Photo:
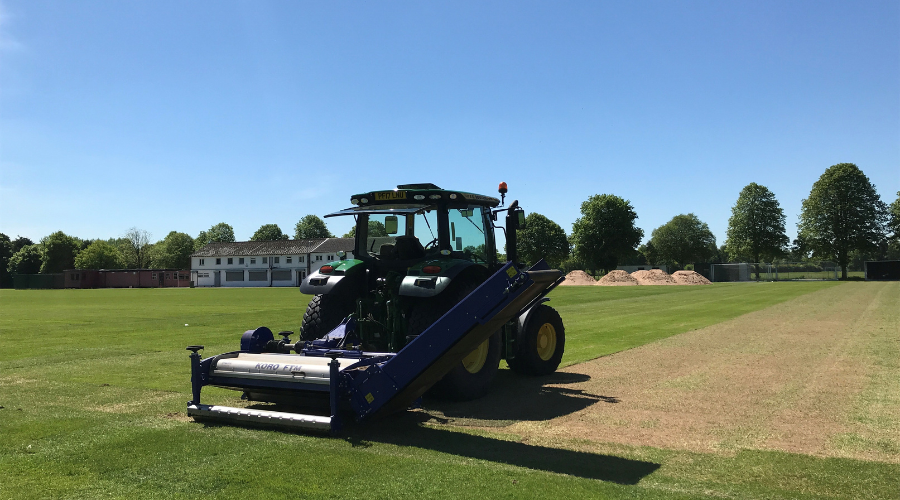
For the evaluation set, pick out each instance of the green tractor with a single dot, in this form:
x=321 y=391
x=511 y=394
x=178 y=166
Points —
x=419 y=250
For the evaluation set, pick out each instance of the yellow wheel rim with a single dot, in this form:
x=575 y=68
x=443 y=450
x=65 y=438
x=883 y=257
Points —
x=546 y=341
x=474 y=362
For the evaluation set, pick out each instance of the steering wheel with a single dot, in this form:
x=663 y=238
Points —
x=431 y=244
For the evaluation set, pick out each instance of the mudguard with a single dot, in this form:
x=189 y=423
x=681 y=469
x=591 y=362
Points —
x=319 y=283
x=419 y=284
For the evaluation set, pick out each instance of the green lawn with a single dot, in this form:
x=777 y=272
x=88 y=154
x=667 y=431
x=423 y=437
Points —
x=93 y=385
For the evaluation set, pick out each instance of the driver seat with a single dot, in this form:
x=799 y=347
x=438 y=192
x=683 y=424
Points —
x=409 y=247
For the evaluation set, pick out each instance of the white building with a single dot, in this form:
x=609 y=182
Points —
x=264 y=263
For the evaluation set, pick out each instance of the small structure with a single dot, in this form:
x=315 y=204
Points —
x=126 y=278
x=883 y=270
x=265 y=263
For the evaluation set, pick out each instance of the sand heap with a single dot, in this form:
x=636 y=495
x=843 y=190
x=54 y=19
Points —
x=578 y=278
x=690 y=278
x=653 y=277
x=617 y=278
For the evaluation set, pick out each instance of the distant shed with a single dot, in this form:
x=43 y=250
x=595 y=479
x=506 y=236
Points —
x=882 y=270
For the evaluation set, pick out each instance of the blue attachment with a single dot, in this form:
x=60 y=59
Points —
x=255 y=340
x=386 y=382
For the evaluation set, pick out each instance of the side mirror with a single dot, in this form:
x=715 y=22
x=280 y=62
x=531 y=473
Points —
x=520 y=219
x=390 y=224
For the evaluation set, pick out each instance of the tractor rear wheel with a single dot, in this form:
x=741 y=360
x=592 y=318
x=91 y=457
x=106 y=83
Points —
x=324 y=313
x=540 y=345
x=472 y=377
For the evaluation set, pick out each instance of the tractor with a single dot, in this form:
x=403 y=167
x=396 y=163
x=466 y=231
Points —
x=419 y=250
x=424 y=304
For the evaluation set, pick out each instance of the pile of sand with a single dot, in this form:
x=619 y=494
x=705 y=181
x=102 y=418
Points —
x=617 y=278
x=690 y=278
x=653 y=277
x=578 y=278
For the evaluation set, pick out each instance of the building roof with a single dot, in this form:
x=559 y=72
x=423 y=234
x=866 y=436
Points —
x=280 y=247
x=336 y=245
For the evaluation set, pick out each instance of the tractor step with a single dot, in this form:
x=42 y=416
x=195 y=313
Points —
x=261 y=417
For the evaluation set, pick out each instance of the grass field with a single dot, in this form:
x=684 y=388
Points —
x=93 y=385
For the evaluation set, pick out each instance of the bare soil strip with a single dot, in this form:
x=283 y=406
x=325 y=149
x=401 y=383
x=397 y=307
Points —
x=815 y=375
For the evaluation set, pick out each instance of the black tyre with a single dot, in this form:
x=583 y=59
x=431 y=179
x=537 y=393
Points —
x=540 y=344
x=323 y=313
x=472 y=377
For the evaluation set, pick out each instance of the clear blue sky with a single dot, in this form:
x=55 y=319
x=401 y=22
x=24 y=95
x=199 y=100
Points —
x=179 y=115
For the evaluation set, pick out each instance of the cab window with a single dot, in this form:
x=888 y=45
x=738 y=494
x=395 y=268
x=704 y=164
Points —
x=467 y=233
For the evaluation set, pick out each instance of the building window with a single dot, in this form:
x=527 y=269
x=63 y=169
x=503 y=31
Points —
x=253 y=260
x=301 y=259
x=218 y=262
x=288 y=259
x=230 y=260
x=202 y=262
x=240 y=260
x=265 y=260
x=331 y=257
x=277 y=259
x=258 y=276
x=318 y=257
x=234 y=276
x=153 y=276
x=281 y=275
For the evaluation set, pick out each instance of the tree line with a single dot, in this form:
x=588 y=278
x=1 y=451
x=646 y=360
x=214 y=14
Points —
x=133 y=250
x=843 y=220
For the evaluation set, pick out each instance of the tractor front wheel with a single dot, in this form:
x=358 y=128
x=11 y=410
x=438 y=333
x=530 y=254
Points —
x=540 y=345
x=324 y=313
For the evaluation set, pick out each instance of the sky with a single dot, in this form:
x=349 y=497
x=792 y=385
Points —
x=175 y=116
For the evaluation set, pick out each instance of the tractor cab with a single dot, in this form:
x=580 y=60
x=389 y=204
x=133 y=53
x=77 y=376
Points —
x=421 y=222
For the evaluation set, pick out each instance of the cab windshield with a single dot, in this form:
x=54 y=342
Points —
x=413 y=234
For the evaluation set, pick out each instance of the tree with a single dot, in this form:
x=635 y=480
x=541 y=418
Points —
x=842 y=213
x=605 y=233
x=684 y=240
x=756 y=226
x=311 y=226
x=268 y=232
x=27 y=260
x=6 y=252
x=20 y=242
x=59 y=252
x=649 y=252
x=542 y=239
x=375 y=229
x=99 y=255
x=174 y=251
x=136 y=248
x=219 y=233
x=893 y=227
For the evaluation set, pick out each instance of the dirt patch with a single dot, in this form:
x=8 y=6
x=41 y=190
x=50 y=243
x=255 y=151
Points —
x=690 y=278
x=793 y=377
x=653 y=277
x=578 y=278
x=617 y=278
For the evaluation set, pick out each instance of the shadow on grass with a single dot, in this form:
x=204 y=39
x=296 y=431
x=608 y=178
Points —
x=516 y=398
x=407 y=430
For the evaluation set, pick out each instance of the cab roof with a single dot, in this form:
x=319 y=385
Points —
x=420 y=193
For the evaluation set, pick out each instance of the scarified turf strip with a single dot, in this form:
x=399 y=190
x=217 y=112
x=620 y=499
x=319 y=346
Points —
x=93 y=385
x=603 y=320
